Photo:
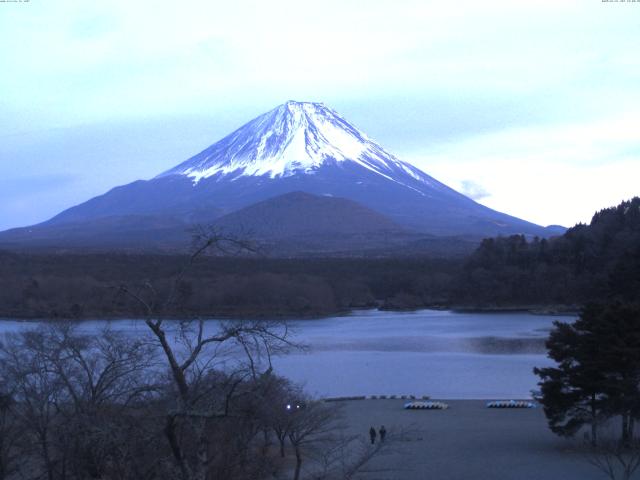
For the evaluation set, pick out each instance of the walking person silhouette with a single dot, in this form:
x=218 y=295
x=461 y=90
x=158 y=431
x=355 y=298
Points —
x=372 y=435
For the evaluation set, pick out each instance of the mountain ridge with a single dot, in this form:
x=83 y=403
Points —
x=293 y=137
x=296 y=147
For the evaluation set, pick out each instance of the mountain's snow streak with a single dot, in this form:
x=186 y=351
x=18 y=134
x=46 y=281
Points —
x=295 y=138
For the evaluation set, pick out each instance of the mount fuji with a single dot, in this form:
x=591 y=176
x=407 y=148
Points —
x=322 y=166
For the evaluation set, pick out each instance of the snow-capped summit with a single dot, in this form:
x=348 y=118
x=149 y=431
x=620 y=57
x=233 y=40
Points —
x=293 y=138
x=298 y=171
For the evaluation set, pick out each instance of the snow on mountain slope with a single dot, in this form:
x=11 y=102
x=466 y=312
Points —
x=295 y=138
x=296 y=147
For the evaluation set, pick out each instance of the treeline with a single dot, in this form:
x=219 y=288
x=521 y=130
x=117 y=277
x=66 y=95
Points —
x=595 y=262
x=87 y=286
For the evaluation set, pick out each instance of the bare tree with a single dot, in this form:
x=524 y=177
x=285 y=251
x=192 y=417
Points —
x=281 y=405
x=37 y=392
x=190 y=399
x=616 y=459
x=313 y=425
x=191 y=353
x=70 y=389
x=9 y=437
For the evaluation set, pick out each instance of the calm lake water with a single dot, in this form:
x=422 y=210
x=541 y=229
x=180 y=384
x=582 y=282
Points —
x=438 y=353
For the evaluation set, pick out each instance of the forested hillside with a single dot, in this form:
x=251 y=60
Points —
x=599 y=261
x=86 y=286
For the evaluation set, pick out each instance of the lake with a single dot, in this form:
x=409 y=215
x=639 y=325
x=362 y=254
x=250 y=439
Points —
x=442 y=354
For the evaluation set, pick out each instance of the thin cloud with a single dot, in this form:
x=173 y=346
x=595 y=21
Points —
x=474 y=190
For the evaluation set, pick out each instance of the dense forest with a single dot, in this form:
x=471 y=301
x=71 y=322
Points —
x=87 y=286
x=595 y=262
x=599 y=261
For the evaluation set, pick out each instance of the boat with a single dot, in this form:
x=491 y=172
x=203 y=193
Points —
x=425 y=406
x=511 y=404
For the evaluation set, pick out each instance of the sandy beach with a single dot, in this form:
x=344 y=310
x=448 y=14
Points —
x=468 y=442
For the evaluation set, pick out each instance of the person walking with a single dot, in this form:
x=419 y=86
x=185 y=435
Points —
x=383 y=433
x=372 y=435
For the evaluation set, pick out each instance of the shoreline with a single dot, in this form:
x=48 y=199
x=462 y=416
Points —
x=419 y=398
x=549 y=310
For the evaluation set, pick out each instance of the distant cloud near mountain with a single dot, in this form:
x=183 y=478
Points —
x=474 y=190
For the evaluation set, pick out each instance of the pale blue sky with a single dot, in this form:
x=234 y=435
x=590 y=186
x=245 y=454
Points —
x=532 y=107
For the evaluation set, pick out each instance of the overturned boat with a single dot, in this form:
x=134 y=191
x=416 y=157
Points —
x=511 y=404
x=426 y=406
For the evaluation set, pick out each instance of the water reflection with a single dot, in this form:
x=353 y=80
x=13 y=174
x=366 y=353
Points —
x=480 y=345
